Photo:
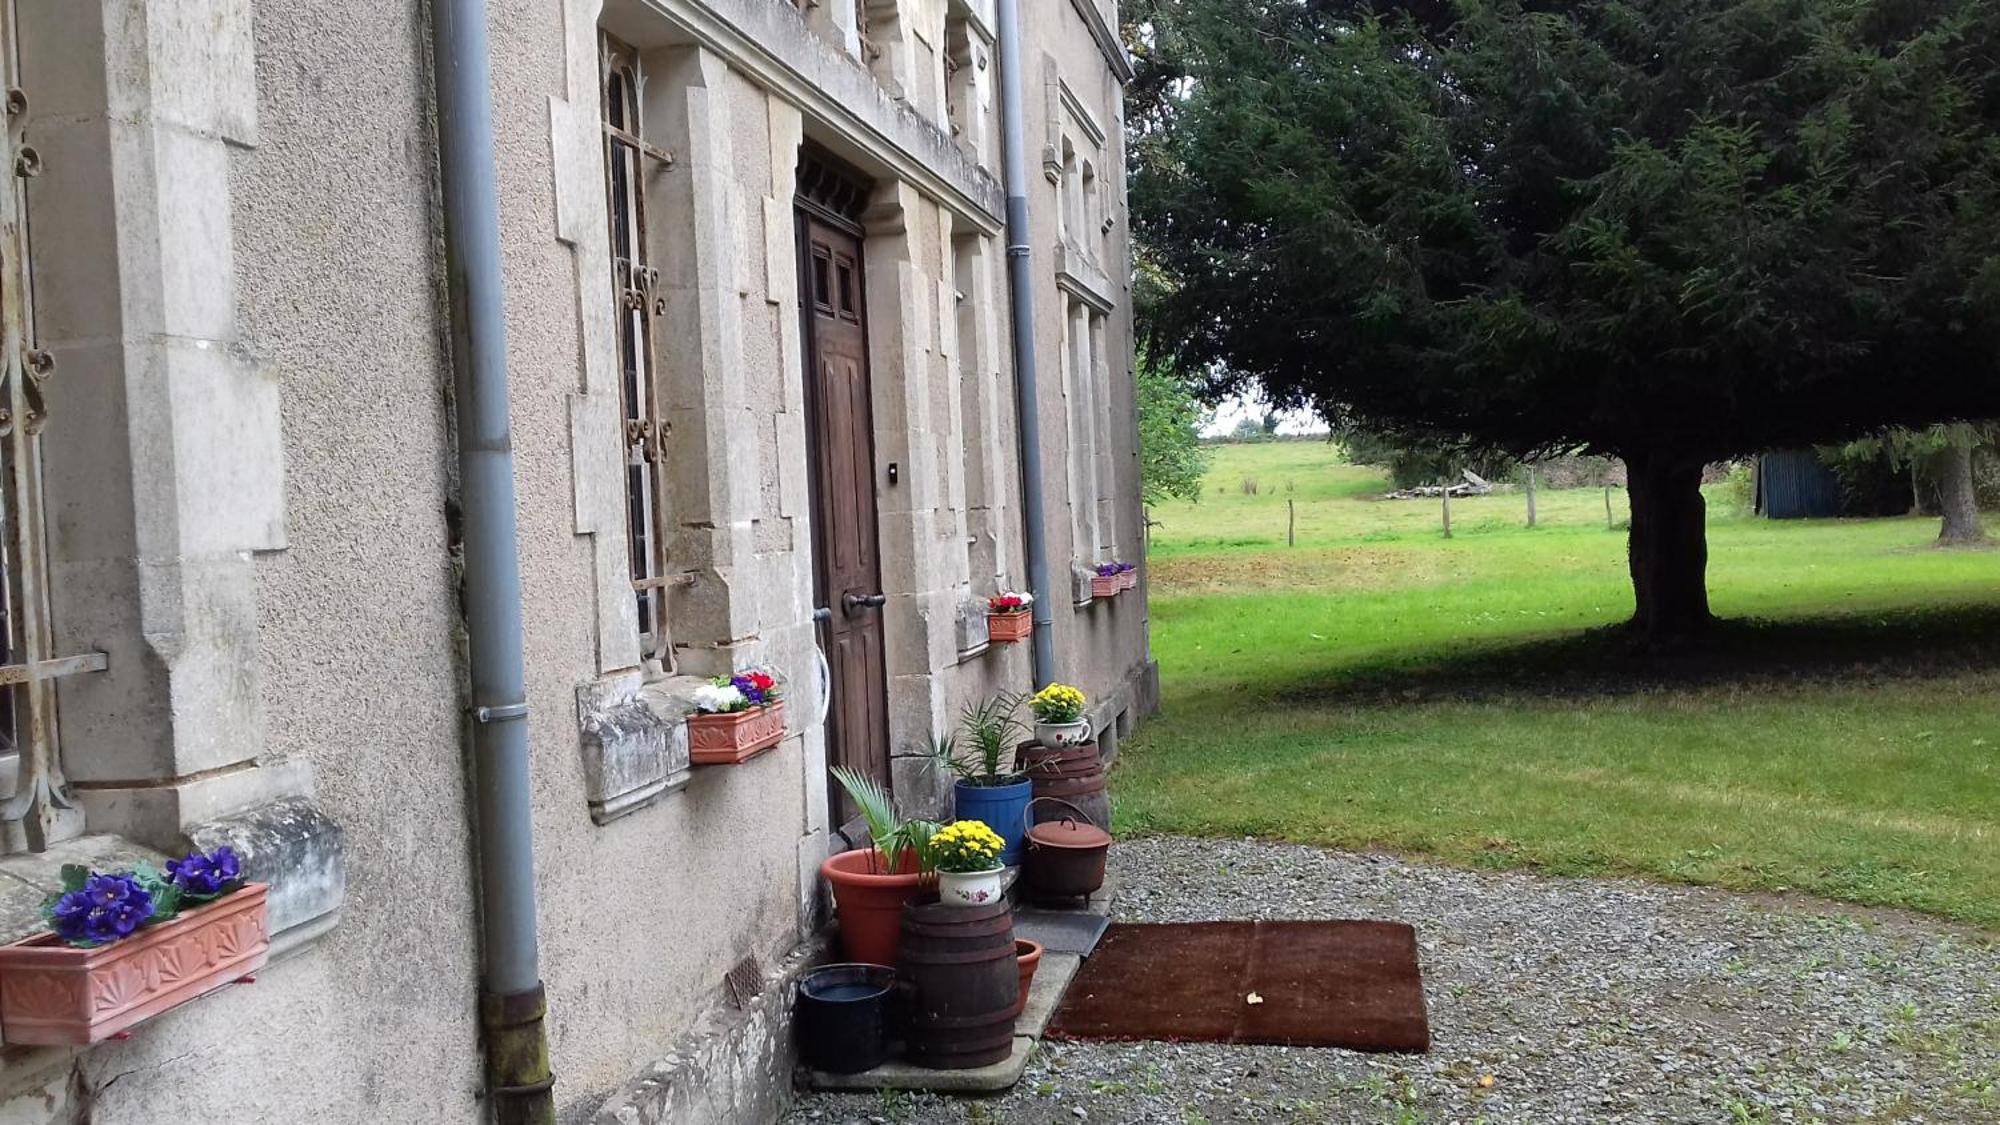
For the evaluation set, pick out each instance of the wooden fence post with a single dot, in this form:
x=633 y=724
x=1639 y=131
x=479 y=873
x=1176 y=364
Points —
x=1531 y=496
x=1291 y=525
x=1444 y=493
x=1608 y=524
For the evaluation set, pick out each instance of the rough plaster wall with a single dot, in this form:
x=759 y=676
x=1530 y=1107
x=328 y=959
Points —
x=339 y=289
x=336 y=290
x=1102 y=647
x=640 y=918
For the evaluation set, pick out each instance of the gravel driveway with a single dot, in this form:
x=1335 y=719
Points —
x=1551 y=1000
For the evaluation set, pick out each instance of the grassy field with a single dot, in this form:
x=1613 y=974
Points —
x=1377 y=685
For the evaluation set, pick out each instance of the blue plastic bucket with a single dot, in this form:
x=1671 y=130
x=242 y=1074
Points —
x=1002 y=807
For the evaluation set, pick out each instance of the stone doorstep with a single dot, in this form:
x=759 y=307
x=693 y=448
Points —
x=1045 y=993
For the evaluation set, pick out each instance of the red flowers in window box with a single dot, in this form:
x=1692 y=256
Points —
x=735 y=737
x=739 y=716
x=1008 y=617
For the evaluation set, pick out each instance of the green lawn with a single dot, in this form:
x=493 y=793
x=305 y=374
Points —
x=1380 y=686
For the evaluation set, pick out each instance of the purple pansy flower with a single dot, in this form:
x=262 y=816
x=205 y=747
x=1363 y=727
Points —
x=203 y=876
x=104 y=909
x=758 y=687
x=1106 y=570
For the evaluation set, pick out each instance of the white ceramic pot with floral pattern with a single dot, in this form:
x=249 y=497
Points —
x=970 y=888
x=1057 y=735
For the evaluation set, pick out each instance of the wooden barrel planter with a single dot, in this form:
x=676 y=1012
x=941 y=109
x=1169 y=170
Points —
x=963 y=979
x=1069 y=774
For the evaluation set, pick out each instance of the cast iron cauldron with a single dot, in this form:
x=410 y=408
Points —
x=1066 y=858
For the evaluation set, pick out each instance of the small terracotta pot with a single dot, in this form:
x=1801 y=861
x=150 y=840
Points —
x=54 y=994
x=1028 y=955
x=727 y=740
x=868 y=899
x=1002 y=628
x=1128 y=579
x=1104 y=585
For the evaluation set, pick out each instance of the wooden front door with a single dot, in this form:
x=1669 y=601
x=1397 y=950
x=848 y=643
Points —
x=847 y=567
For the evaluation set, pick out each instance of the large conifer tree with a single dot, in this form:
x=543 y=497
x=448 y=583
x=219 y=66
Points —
x=1673 y=231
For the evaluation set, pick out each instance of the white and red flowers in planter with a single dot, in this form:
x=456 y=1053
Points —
x=1009 y=617
x=125 y=946
x=738 y=717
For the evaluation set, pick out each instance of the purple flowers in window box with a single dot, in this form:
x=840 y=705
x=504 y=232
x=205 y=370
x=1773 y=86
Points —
x=123 y=947
x=103 y=909
x=204 y=876
x=95 y=908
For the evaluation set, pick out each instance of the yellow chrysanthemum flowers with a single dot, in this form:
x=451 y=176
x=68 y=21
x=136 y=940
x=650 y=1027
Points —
x=966 y=845
x=1057 y=703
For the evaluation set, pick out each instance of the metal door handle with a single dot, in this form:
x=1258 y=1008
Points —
x=855 y=603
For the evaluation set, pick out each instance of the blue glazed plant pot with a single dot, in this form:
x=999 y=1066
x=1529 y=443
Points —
x=1002 y=807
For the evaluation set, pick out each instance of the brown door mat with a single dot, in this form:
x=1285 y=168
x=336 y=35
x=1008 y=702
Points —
x=1298 y=984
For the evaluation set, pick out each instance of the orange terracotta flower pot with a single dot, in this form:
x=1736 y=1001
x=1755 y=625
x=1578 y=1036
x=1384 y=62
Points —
x=869 y=902
x=1004 y=627
x=727 y=740
x=1028 y=955
x=1104 y=586
x=58 y=995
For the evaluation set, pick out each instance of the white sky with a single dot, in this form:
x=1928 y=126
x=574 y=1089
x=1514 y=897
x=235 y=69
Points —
x=1238 y=407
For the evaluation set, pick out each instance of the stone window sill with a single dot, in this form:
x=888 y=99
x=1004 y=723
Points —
x=288 y=842
x=633 y=736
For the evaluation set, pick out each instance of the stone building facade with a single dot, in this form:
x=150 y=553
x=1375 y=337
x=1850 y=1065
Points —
x=757 y=331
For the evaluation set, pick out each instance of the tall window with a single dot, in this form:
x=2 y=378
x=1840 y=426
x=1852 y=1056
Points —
x=37 y=810
x=627 y=157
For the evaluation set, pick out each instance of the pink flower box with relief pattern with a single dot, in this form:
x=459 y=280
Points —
x=1002 y=628
x=734 y=737
x=53 y=994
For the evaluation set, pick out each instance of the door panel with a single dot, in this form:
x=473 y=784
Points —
x=846 y=563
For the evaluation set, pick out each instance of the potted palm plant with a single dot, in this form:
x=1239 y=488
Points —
x=123 y=947
x=967 y=856
x=871 y=884
x=1059 y=717
x=988 y=788
x=1009 y=617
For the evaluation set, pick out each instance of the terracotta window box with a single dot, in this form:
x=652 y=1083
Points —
x=1002 y=628
x=1104 y=585
x=1128 y=579
x=735 y=737
x=52 y=994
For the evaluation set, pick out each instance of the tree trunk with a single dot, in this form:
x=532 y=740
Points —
x=1668 y=548
x=1955 y=493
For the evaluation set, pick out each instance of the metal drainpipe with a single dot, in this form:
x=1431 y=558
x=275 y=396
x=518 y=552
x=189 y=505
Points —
x=1021 y=301
x=511 y=1001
